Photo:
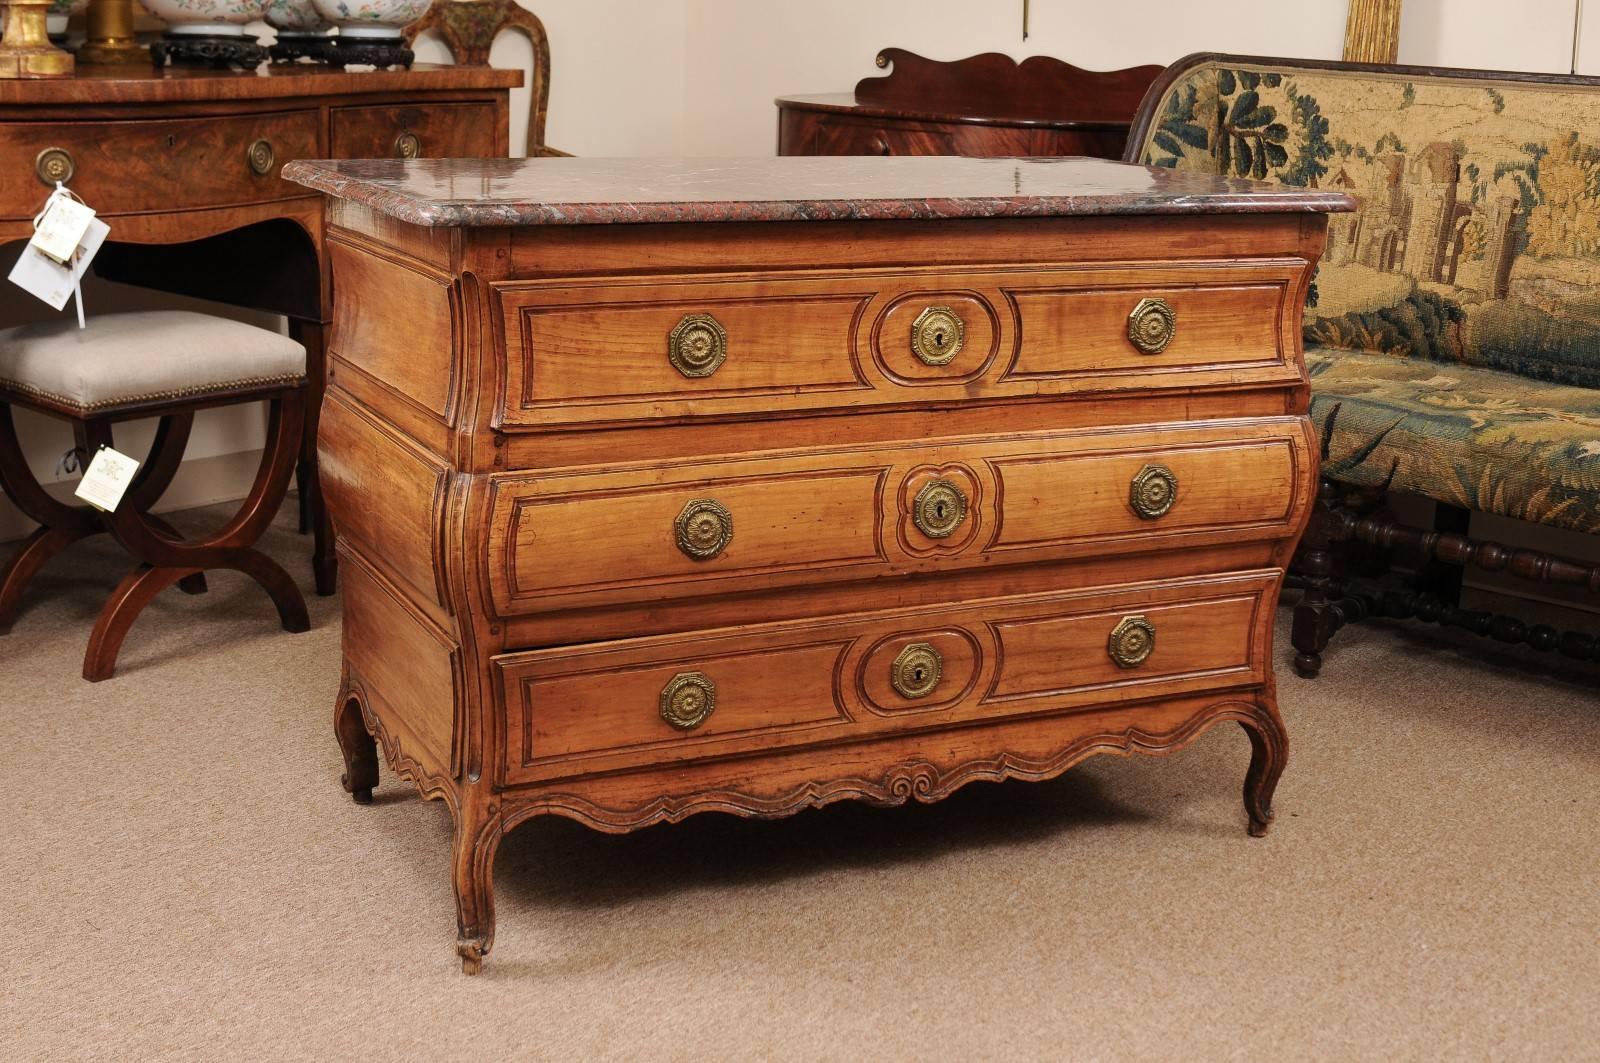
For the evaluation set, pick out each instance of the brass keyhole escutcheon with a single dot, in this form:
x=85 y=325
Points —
x=917 y=670
x=1132 y=640
x=937 y=335
x=1153 y=491
x=1152 y=325
x=697 y=345
x=52 y=165
x=261 y=156
x=939 y=509
x=688 y=700
x=407 y=146
x=704 y=529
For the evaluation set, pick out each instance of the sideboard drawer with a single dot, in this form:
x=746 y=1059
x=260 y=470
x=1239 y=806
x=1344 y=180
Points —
x=720 y=693
x=659 y=349
x=203 y=162
x=433 y=131
x=611 y=534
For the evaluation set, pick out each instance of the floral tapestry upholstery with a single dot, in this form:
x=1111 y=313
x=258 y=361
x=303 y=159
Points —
x=1466 y=286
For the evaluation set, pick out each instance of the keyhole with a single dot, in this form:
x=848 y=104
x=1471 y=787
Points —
x=916 y=674
x=938 y=510
x=938 y=339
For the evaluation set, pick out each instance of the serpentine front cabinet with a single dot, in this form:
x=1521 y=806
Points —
x=667 y=487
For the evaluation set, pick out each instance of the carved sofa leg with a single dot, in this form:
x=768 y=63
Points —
x=1317 y=616
x=1269 y=752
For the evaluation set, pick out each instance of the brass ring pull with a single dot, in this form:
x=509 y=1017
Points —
x=939 y=509
x=407 y=146
x=916 y=672
x=937 y=335
x=261 y=155
x=1151 y=325
x=52 y=165
x=697 y=345
x=1153 y=491
x=704 y=529
x=688 y=700
x=1132 y=641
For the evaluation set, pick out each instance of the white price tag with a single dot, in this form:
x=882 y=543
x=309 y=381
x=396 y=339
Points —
x=43 y=277
x=106 y=479
x=61 y=226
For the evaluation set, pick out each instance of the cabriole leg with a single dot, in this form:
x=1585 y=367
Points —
x=1269 y=751
x=359 y=750
x=477 y=839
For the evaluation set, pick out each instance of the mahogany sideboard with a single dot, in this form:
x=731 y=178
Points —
x=667 y=487
x=184 y=164
x=984 y=105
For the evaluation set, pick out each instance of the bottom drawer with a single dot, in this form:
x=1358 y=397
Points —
x=617 y=705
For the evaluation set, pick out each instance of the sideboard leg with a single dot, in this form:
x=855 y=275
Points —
x=359 y=749
x=476 y=841
x=1269 y=751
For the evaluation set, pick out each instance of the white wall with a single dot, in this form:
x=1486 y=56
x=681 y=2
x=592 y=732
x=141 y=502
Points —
x=697 y=77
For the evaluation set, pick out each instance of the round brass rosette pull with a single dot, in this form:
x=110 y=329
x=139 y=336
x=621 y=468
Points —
x=1153 y=491
x=261 y=155
x=939 y=509
x=1152 y=325
x=697 y=345
x=916 y=671
x=52 y=165
x=704 y=529
x=937 y=335
x=688 y=700
x=1132 y=640
x=407 y=146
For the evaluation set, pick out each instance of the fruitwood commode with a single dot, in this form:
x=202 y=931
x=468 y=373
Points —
x=669 y=486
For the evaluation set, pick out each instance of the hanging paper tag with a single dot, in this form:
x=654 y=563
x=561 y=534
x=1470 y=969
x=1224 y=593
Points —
x=47 y=279
x=61 y=226
x=106 y=479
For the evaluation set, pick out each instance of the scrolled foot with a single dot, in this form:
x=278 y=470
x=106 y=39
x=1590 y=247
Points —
x=362 y=795
x=1269 y=751
x=358 y=748
x=471 y=951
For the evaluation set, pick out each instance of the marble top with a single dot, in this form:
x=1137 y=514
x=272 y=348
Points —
x=557 y=191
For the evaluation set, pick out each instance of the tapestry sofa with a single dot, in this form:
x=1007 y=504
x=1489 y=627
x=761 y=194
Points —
x=1453 y=328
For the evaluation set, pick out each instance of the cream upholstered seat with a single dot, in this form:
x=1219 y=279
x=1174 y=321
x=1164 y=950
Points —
x=147 y=357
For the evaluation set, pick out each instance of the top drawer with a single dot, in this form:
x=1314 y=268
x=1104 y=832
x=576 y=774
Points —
x=669 y=349
x=204 y=162
x=437 y=131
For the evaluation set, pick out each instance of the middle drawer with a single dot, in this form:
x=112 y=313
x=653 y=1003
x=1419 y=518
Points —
x=613 y=535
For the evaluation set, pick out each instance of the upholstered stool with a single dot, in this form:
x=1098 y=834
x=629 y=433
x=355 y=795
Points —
x=123 y=367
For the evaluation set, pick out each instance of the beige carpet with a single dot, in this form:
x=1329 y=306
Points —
x=182 y=877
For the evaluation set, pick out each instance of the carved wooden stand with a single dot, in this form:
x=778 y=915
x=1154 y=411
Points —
x=165 y=557
x=1328 y=605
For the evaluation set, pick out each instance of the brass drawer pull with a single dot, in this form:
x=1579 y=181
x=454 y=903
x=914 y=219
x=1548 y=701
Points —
x=407 y=146
x=1153 y=491
x=52 y=165
x=261 y=155
x=1152 y=325
x=939 y=509
x=697 y=345
x=937 y=335
x=704 y=529
x=1132 y=640
x=688 y=700
x=916 y=672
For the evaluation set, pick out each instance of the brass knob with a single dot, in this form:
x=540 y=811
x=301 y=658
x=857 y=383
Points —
x=1132 y=640
x=916 y=671
x=52 y=165
x=939 y=509
x=704 y=529
x=937 y=335
x=1151 y=325
x=688 y=700
x=407 y=146
x=261 y=155
x=697 y=345
x=1153 y=491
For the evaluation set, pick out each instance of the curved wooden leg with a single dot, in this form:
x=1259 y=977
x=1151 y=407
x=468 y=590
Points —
x=359 y=750
x=1269 y=751
x=477 y=838
x=276 y=582
x=30 y=557
x=118 y=614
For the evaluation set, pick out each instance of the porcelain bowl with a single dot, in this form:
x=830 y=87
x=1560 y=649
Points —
x=220 y=18
x=296 y=18
x=371 y=18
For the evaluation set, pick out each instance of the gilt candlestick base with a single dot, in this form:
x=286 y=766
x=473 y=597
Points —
x=25 y=50
x=108 y=30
